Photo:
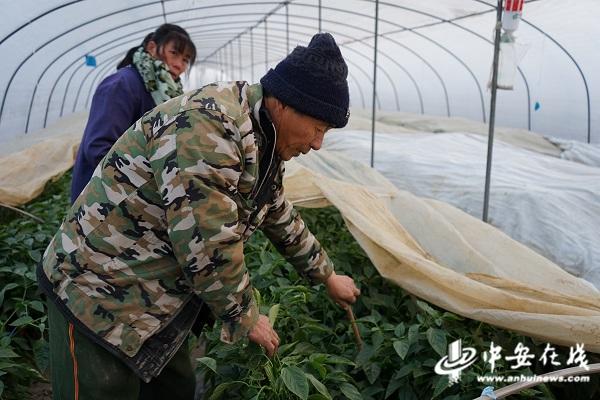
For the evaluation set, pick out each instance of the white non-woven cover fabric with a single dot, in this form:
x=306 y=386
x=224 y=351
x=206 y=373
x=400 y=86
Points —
x=27 y=164
x=550 y=204
x=405 y=122
x=447 y=257
x=580 y=152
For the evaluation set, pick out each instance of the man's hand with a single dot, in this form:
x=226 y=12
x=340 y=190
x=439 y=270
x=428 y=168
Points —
x=341 y=289
x=264 y=335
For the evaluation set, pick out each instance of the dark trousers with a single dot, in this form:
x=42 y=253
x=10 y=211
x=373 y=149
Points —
x=83 y=370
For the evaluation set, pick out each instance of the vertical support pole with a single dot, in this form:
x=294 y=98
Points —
x=374 y=84
x=226 y=63
x=287 y=28
x=220 y=64
x=266 y=46
x=240 y=57
x=162 y=3
x=231 y=65
x=320 y=17
x=488 y=169
x=223 y=63
x=251 y=55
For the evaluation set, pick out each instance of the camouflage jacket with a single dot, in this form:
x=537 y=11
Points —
x=165 y=216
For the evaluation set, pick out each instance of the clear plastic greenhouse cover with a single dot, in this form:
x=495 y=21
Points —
x=434 y=56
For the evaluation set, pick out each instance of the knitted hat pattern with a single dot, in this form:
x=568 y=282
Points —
x=313 y=80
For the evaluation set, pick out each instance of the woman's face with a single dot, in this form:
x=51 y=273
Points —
x=176 y=61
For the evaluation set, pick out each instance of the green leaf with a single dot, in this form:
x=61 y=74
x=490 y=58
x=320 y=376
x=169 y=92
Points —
x=401 y=347
x=365 y=355
x=209 y=362
x=4 y=366
x=404 y=371
x=41 y=237
x=350 y=391
x=319 y=368
x=437 y=340
x=273 y=312
x=1 y=388
x=334 y=359
x=5 y=289
x=296 y=381
x=372 y=391
x=316 y=327
x=427 y=308
x=265 y=268
x=8 y=353
x=406 y=393
x=400 y=329
x=41 y=354
x=393 y=386
x=286 y=347
x=37 y=305
x=35 y=255
x=220 y=390
x=319 y=386
x=377 y=339
x=413 y=334
x=440 y=386
x=318 y=396
x=257 y=297
x=418 y=372
x=372 y=372
x=22 y=321
x=10 y=286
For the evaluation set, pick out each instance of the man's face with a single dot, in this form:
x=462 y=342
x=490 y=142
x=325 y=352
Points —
x=298 y=133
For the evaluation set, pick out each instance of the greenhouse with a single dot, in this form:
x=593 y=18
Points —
x=457 y=197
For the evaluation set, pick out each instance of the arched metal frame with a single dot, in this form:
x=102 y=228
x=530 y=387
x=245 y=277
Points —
x=279 y=45
x=338 y=34
x=204 y=25
x=55 y=38
x=360 y=54
x=285 y=5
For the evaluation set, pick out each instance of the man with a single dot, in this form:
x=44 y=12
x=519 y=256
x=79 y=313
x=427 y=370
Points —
x=160 y=229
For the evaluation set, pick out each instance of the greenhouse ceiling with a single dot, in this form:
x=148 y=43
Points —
x=433 y=57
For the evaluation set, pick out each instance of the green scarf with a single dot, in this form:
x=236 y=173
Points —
x=157 y=79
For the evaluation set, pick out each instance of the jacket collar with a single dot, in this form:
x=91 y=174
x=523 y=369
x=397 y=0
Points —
x=265 y=134
x=255 y=97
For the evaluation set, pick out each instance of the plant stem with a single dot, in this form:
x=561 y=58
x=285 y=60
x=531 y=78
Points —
x=38 y=219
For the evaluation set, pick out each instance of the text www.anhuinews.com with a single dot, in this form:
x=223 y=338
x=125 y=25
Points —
x=532 y=378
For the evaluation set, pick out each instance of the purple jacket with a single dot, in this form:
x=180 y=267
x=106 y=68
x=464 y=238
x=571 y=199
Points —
x=119 y=101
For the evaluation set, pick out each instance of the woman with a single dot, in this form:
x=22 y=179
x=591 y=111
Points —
x=146 y=77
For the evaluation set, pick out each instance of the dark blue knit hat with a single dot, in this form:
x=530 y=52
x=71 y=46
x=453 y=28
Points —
x=312 y=80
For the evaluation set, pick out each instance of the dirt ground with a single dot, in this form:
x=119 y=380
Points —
x=40 y=391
